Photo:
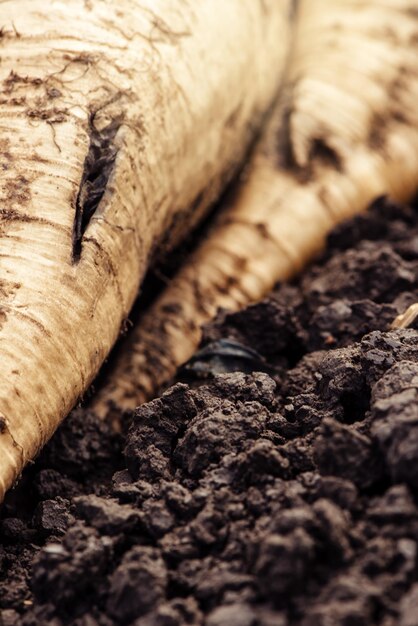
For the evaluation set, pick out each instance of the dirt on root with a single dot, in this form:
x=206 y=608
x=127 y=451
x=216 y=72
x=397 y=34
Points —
x=283 y=497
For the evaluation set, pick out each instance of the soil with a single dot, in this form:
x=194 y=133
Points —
x=285 y=496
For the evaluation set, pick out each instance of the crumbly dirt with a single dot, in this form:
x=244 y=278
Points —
x=283 y=497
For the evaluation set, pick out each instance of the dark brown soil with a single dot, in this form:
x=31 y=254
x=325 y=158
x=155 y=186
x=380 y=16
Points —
x=285 y=497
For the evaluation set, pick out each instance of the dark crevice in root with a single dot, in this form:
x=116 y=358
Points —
x=322 y=151
x=97 y=170
x=284 y=148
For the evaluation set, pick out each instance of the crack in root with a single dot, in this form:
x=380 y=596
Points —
x=98 y=167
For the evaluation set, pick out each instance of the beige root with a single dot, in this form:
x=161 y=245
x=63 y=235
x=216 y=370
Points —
x=120 y=123
x=344 y=133
x=407 y=318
